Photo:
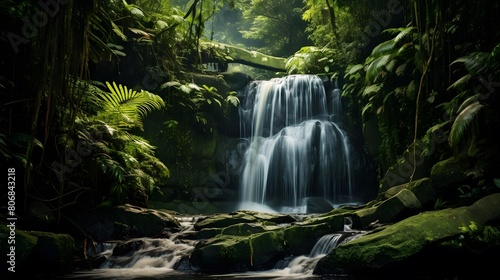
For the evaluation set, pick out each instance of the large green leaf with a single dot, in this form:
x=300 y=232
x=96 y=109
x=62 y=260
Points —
x=376 y=67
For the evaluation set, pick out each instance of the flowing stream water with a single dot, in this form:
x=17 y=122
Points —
x=168 y=258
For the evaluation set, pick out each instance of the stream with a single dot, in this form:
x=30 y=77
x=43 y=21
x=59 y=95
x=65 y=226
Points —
x=168 y=258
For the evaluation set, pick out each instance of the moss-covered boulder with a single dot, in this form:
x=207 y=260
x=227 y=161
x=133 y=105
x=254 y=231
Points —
x=451 y=172
x=424 y=244
x=108 y=223
x=249 y=240
x=38 y=253
x=228 y=253
x=422 y=189
x=228 y=219
x=399 y=206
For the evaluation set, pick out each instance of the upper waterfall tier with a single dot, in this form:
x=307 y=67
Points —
x=270 y=106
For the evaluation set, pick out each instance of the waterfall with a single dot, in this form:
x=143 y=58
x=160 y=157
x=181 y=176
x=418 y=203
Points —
x=298 y=147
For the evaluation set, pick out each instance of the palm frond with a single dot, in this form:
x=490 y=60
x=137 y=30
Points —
x=463 y=123
x=460 y=83
x=476 y=63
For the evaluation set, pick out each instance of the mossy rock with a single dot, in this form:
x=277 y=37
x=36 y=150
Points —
x=228 y=219
x=422 y=189
x=205 y=233
x=245 y=229
x=401 y=205
x=451 y=172
x=229 y=253
x=25 y=243
x=54 y=252
x=413 y=244
x=299 y=240
x=335 y=219
x=40 y=253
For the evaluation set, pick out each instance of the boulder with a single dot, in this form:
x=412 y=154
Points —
x=228 y=219
x=318 y=205
x=248 y=240
x=454 y=241
x=228 y=253
x=122 y=222
x=399 y=206
x=451 y=172
x=39 y=253
x=421 y=188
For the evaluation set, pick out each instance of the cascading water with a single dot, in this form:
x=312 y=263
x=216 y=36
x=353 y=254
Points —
x=144 y=257
x=298 y=147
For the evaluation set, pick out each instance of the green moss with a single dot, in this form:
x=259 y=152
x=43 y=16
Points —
x=24 y=244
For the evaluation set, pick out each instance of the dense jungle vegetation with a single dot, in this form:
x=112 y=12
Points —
x=78 y=77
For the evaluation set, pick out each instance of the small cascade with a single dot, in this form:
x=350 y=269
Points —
x=325 y=244
x=298 y=147
x=148 y=253
x=304 y=265
x=144 y=257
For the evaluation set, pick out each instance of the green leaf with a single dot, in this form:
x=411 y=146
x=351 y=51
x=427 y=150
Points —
x=372 y=89
x=497 y=182
x=463 y=123
x=354 y=68
x=233 y=100
x=383 y=48
x=118 y=31
x=376 y=67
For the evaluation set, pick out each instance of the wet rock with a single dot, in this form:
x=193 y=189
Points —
x=318 y=205
x=90 y=262
x=126 y=248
